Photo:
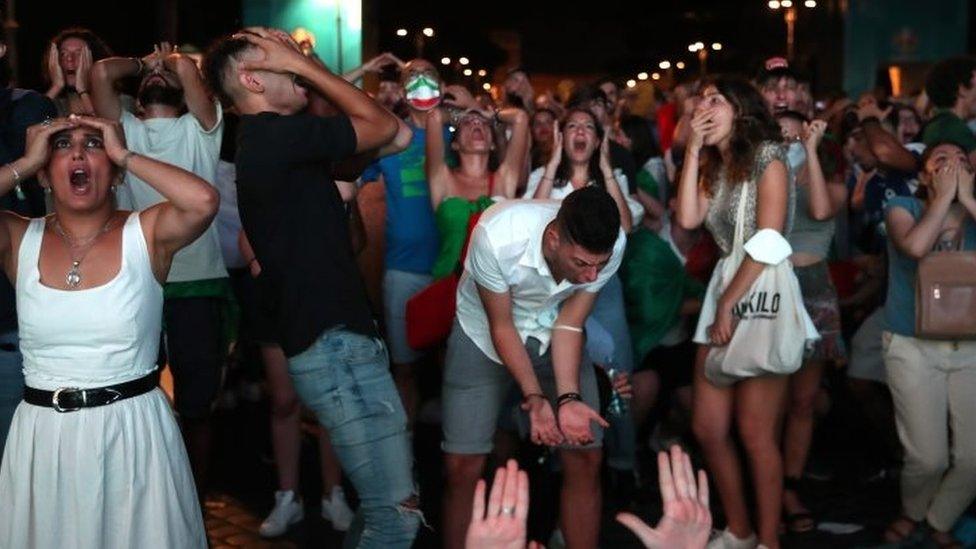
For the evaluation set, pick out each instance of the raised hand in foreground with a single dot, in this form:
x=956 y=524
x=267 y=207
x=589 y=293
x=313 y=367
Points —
x=502 y=524
x=687 y=521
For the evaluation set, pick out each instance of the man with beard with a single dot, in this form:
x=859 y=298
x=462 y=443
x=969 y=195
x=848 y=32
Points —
x=180 y=124
x=412 y=240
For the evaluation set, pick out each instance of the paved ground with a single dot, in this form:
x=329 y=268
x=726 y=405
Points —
x=244 y=486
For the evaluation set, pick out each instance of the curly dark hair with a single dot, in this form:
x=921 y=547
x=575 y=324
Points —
x=943 y=81
x=590 y=218
x=99 y=49
x=753 y=124
x=564 y=172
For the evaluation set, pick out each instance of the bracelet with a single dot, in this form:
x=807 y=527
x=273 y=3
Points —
x=526 y=398
x=14 y=170
x=568 y=397
x=125 y=160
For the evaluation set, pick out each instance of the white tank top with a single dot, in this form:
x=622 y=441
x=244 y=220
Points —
x=89 y=338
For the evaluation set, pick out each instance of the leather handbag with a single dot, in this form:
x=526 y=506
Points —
x=945 y=302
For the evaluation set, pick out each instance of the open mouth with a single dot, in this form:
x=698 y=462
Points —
x=80 y=180
x=155 y=80
x=579 y=145
x=780 y=107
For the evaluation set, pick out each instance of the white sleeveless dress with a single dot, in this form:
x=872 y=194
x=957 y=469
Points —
x=114 y=476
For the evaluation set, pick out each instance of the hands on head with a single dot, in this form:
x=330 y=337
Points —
x=687 y=520
x=384 y=59
x=280 y=51
x=37 y=150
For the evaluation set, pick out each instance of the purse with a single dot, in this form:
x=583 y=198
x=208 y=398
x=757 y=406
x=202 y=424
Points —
x=773 y=326
x=430 y=312
x=945 y=294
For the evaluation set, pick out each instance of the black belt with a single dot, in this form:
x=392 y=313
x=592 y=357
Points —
x=71 y=399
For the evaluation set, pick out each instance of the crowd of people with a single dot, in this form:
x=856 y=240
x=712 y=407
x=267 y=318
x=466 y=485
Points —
x=597 y=280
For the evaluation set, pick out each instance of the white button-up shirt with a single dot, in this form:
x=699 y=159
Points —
x=505 y=255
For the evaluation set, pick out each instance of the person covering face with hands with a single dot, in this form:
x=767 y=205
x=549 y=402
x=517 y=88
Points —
x=734 y=148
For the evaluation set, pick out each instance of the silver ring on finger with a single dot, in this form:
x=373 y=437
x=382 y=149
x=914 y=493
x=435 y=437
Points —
x=510 y=511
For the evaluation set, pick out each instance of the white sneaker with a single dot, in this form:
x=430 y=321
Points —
x=336 y=510
x=726 y=540
x=287 y=511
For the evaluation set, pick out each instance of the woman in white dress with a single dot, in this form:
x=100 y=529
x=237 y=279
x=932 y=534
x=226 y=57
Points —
x=94 y=458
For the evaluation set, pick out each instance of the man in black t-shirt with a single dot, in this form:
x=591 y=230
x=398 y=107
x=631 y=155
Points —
x=311 y=288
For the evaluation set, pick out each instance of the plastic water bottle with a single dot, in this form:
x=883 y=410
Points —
x=618 y=404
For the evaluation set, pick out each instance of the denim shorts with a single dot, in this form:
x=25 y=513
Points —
x=476 y=389
x=398 y=288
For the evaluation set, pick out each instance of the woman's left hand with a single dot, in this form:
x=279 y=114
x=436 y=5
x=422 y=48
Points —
x=83 y=73
x=813 y=133
x=966 y=186
x=621 y=384
x=112 y=136
x=722 y=328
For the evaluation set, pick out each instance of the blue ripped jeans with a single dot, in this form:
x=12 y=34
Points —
x=344 y=377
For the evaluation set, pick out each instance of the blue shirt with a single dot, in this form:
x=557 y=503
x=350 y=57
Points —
x=899 y=308
x=412 y=241
x=868 y=225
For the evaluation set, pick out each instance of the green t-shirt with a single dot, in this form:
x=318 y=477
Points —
x=946 y=126
x=655 y=285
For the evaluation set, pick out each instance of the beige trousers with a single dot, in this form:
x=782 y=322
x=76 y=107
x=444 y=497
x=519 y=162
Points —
x=933 y=384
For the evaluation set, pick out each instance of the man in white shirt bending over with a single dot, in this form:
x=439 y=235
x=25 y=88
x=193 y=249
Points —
x=178 y=123
x=532 y=274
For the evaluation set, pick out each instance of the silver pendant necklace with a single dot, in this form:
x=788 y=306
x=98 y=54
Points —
x=73 y=277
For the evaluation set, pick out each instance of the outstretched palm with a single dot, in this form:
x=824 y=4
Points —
x=687 y=520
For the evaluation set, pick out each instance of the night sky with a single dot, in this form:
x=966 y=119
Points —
x=605 y=36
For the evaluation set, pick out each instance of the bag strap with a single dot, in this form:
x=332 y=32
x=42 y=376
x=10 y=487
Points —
x=959 y=235
x=738 y=240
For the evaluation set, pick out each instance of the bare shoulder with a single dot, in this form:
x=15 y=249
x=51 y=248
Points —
x=15 y=225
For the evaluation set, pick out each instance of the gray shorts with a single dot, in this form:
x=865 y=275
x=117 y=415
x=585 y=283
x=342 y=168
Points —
x=398 y=287
x=476 y=389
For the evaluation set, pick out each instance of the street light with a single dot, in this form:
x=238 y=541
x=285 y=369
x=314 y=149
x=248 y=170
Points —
x=486 y=86
x=463 y=60
x=419 y=39
x=467 y=72
x=656 y=76
x=789 y=15
x=665 y=65
x=631 y=83
x=680 y=65
x=642 y=76
x=445 y=60
x=702 y=51
x=482 y=73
